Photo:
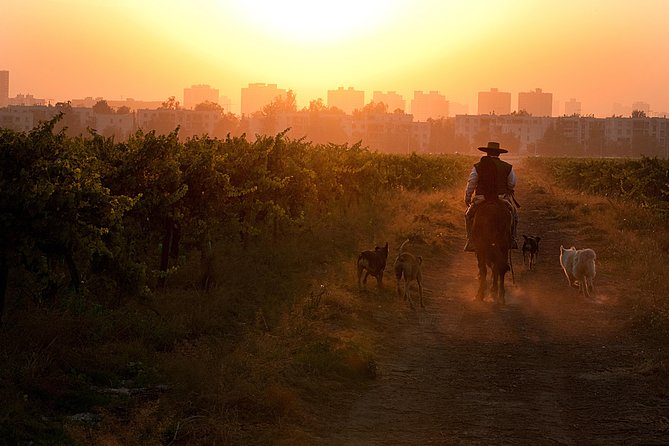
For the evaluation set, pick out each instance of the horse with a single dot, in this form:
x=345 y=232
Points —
x=491 y=237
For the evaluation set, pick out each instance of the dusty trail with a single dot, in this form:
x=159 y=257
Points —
x=549 y=367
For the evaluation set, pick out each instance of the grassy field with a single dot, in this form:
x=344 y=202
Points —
x=283 y=336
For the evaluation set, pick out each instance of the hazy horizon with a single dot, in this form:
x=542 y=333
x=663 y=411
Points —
x=598 y=52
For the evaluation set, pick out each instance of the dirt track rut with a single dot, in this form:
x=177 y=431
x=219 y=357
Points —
x=549 y=367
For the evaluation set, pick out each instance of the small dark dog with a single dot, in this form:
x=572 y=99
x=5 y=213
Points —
x=530 y=251
x=408 y=266
x=373 y=263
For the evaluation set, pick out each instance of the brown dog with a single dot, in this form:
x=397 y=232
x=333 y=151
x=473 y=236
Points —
x=408 y=266
x=373 y=263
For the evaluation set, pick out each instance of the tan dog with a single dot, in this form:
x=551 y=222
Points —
x=408 y=266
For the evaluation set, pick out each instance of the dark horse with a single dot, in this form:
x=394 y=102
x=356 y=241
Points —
x=491 y=236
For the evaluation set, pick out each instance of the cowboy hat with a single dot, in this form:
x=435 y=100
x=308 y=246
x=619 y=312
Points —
x=493 y=148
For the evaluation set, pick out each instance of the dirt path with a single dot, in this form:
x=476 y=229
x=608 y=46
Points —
x=549 y=367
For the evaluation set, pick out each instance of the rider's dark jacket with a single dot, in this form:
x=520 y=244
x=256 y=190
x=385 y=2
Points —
x=492 y=176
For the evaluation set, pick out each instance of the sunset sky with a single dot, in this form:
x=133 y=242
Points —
x=599 y=52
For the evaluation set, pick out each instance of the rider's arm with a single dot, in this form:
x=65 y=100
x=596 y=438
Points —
x=511 y=181
x=472 y=181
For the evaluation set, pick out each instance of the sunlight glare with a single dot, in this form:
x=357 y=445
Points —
x=316 y=21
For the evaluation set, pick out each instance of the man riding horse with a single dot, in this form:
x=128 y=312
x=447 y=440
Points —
x=490 y=178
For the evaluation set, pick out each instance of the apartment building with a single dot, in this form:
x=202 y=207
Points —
x=494 y=102
x=198 y=94
x=527 y=129
x=4 y=88
x=536 y=103
x=572 y=107
x=256 y=96
x=26 y=99
x=190 y=122
x=637 y=136
x=346 y=99
x=386 y=132
x=431 y=105
x=24 y=118
x=392 y=99
x=130 y=103
x=19 y=119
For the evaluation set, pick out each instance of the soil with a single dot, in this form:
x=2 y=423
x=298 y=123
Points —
x=548 y=367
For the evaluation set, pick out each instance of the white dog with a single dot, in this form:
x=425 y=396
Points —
x=579 y=267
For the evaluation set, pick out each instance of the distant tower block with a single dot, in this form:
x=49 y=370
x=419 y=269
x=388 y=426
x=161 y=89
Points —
x=494 y=102
x=198 y=94
x=536 y=103
x=256 y=96
x=393 y=100
x=4 y=88
x=346 y=100
x=429 y=105
x=572 y=108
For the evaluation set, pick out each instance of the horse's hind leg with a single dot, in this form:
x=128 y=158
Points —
x=495 y=283
x=480 y=295
x=500 y=292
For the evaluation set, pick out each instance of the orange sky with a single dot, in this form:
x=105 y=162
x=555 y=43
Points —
x=599 y=52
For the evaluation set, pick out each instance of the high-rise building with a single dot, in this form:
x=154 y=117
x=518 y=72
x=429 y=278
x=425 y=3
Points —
x=428 y=105
x=226 y=103
x=256 y=96
x=641 y=106
x=4 y=88
x=393 y=100
x=536 y=103
x=494 y=102
x=197 y=94
x=572 y=108
x=346 y=100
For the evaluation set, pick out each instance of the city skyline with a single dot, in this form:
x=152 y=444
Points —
x=607 y=53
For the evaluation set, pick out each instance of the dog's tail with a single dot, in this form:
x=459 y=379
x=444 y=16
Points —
x=402 y=246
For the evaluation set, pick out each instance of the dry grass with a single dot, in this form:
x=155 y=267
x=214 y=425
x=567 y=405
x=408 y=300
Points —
x=632 y=246
x=249 y=362
x=284 y=333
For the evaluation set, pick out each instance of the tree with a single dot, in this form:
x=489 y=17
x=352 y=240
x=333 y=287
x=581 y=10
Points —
x=208 y=106
x=373 y=107
x=101 y=107
x=443 y=138
x=171 y=104
x=68 y=120
x=325 y=123
x=280 y=105
x=556 y=143
x=227 y=124
x=317 y=106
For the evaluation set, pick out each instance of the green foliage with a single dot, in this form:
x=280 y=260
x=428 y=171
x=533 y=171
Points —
x=55 y=208
x=90 y=211
x=643 y=181
x=83 y=222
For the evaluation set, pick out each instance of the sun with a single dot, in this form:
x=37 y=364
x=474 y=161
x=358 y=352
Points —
x=316 y=21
